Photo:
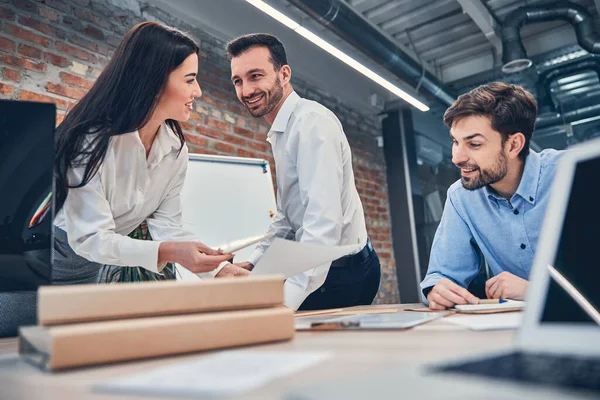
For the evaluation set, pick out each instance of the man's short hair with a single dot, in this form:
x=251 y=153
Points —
x=509 y=107
x=244 y=43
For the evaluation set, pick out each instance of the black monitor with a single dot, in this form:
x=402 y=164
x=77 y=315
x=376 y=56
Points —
x=577 y=253
x=26 y=183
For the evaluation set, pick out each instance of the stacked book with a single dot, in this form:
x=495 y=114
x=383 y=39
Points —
x=94 y=324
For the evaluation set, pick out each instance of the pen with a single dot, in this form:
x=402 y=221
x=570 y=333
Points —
x=492 y=301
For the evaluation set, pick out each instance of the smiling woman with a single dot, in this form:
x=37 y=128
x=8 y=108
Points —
x=120 y=165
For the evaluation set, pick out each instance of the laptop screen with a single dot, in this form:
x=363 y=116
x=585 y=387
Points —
x=26 y=212
x=577 y=257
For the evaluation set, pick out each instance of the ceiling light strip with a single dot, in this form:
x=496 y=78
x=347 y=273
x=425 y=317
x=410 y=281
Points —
x=334 y=51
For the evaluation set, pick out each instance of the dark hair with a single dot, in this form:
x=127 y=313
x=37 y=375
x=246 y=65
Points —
x=122 y=100
x=244 y=43
x=509 y=107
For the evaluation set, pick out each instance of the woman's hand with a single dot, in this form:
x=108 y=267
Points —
x=195 y=256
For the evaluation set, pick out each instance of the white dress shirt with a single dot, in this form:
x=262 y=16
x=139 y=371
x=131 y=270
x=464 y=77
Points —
x=317 y=200
x=128 y=189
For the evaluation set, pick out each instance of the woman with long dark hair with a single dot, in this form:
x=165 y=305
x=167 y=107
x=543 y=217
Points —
x=120 y=165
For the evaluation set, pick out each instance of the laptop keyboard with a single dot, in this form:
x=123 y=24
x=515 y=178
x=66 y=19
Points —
x=547 y=369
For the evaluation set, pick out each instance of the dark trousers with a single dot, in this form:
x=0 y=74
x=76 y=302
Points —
x=353 y=285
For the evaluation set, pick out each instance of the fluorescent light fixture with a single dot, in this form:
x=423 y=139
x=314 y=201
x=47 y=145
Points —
x=340 y=55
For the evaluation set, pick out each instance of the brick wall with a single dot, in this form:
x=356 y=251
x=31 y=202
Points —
x=53 y=50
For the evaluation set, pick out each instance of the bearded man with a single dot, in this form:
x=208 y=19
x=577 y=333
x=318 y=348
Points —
x=496 y=209
x=317 y=200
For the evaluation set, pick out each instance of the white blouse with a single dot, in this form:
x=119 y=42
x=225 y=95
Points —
x=128 y=189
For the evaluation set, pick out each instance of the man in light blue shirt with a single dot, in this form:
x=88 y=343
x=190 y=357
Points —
x=496 y=209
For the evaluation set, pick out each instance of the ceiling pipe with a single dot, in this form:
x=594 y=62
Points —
x=546 y=120
x=545 y=78
x=514 y=55
x=338 y=17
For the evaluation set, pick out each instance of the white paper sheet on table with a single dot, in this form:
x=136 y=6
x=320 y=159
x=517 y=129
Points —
x=487 y=322
x=226 y=373
x=289 y=258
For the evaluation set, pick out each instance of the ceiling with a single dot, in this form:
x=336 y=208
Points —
x=456 y=40
x=449 y=34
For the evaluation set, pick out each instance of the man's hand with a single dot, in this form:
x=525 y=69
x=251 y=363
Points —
x=246 y=265
x=195 y=256
x=506 y=286
x=232 y=271
x=447 y=293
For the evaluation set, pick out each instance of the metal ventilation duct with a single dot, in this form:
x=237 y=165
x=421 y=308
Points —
x=513 y=52
x=337 y=16
x=543 y=84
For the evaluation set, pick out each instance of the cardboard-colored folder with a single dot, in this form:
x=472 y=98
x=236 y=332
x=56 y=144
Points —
x=79 y=303
x=91 y=343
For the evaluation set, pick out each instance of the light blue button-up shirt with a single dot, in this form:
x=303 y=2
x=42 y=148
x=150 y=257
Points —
x=480 y=222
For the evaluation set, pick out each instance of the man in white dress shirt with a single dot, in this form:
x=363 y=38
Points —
x=317 y=200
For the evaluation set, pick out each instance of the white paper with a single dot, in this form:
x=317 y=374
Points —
x=487 y=322
x=289 y=258
x=489 y=307
x=226 y=373
x=238 y=245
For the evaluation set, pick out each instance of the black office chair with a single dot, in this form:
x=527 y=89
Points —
x=17 y=309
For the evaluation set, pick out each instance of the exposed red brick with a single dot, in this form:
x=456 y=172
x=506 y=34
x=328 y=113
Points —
x=224 y=148
x=90 y=17
x=224 y=126
x=6 y=14
x=94 y=32
x=263 y=147
x=49 y=14
x=65 y=91
x=11 y=74
x=6 y=89
x=59 y=118
x=27 y=35
x=31 y=96
x=58 y=5
x=232 y=139
x=42 y=27
x=26 y=5
x=59 y=61
x=76 y=80
x=7 y=44
x=243 y=132
x=15 y=61
x=75 y=52
x=30 y=52
x=85 y=43
x=246 y=153
x=209 y=132
x=197 y=140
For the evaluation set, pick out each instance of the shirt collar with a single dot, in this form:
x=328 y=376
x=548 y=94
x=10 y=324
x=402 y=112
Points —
x=165 y=142
x=284 y=114
x=528 y=186
x=531 y=177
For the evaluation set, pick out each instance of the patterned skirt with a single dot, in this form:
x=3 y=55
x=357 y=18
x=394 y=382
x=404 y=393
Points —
x=70 y=268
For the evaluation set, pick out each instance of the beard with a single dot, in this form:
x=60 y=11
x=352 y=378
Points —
x=484 y=177
x=273 y=96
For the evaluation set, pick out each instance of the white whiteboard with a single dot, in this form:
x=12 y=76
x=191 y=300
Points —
x=227 y=199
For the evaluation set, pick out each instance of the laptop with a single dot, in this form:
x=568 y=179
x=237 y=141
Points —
x=557 y=351
x=26 y=211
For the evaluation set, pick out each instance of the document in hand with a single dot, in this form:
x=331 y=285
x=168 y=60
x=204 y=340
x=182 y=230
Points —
x=289 y=258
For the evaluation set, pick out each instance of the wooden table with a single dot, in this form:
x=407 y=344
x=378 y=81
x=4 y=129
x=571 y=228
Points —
x=355 y=352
